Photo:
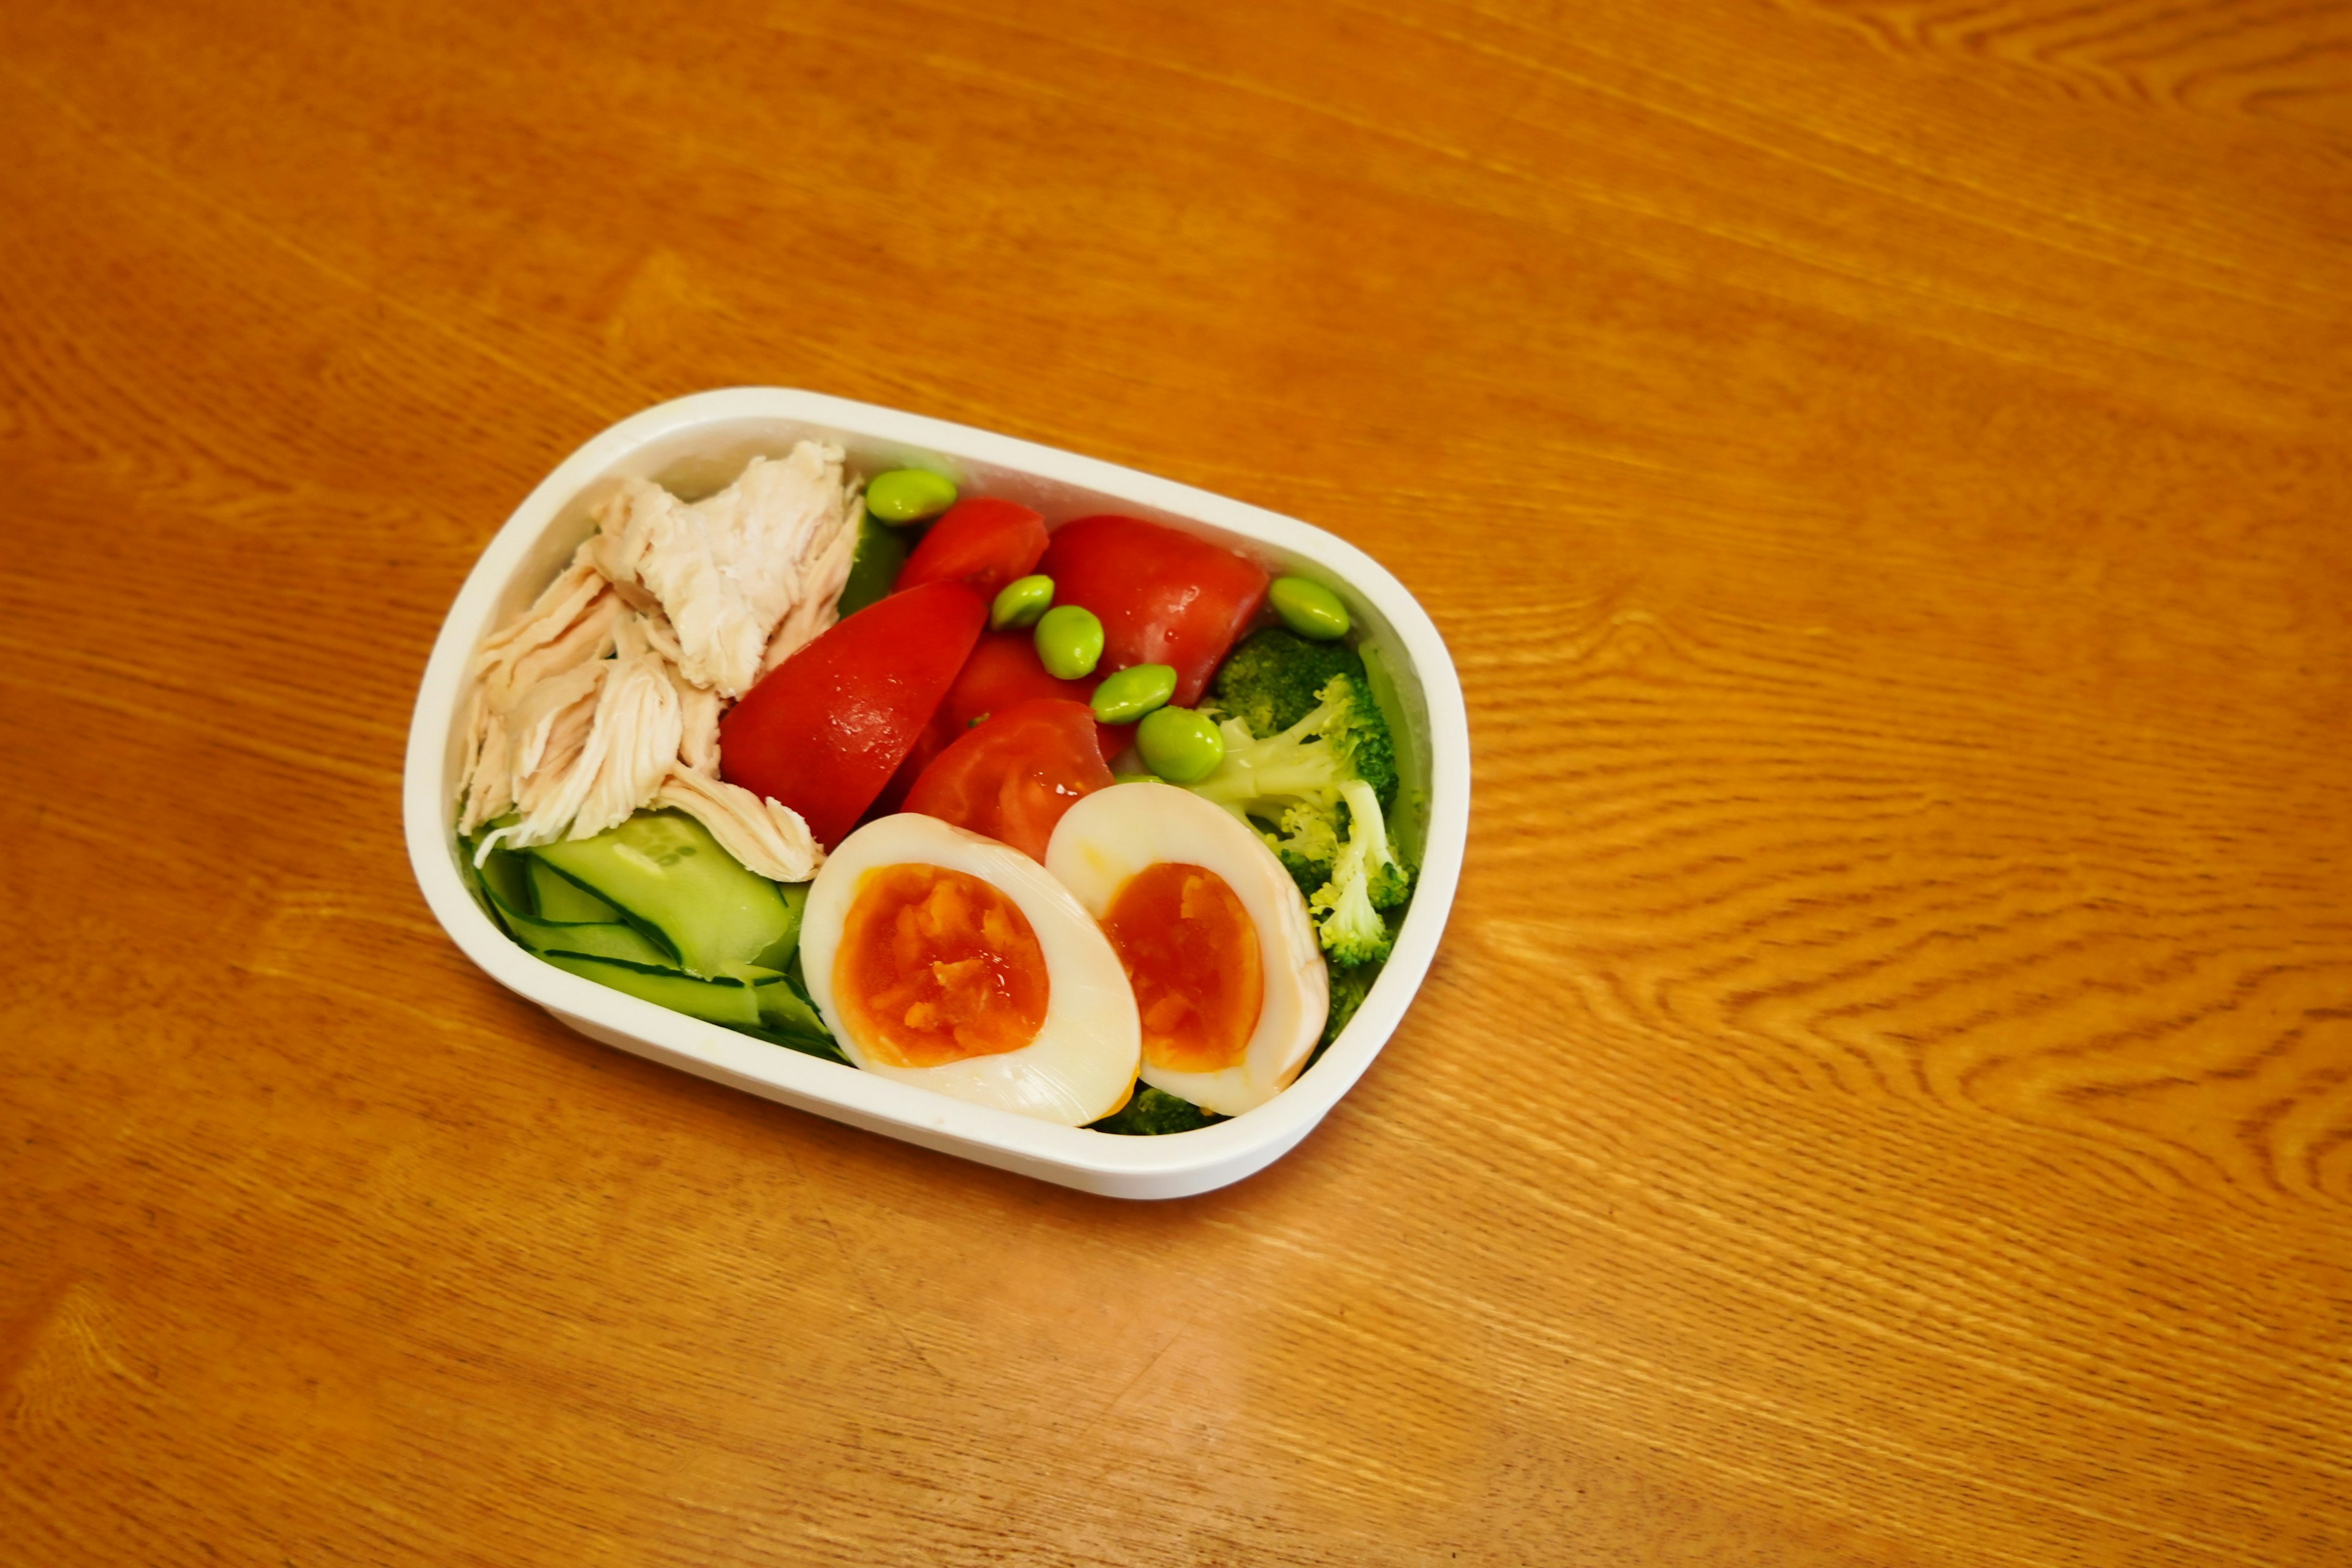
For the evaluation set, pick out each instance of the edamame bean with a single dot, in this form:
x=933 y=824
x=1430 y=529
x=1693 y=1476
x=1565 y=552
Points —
x=1069 y=642
x=1124 y=697
x=1179 y=744
x=1020 y=602
x=908 y=495
x=1308 y=608
x=1137 y=778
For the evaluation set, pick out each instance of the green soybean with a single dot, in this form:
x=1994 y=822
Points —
x=908 y=495
x=1137 y=778
x=1069 y=642
x=1179 y=744
x=1308 y=608
x=1124 y=697
x=1020 y=602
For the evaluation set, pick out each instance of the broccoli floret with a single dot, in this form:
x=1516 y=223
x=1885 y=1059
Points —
x=1342 y=737
x=1308 y=844
x=1375 y=749
x=1366 y=879
x=1349 y=984
x=1151 y=1111
x=1314 y=792
x=1275 y=678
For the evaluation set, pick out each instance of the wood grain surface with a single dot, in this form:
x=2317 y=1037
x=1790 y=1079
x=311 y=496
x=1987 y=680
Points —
x=1886 y=1096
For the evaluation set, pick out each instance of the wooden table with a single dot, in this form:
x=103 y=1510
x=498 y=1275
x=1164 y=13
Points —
x=1885 y=1097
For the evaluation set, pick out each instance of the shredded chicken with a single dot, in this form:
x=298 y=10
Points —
x=827 y=574
x=634 y=738
x=698 y=745
x=604 y=697
x=698 y=706
x=554 y=726
x=542 y=654
x=485 y=732
x=768 y=837
x=570 y=622
x=728 y=570
x=549 y=723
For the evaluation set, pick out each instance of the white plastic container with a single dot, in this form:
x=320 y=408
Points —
x=696 y=445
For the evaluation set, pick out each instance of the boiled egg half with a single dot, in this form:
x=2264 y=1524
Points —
x=950 y=960
x=1229 y=982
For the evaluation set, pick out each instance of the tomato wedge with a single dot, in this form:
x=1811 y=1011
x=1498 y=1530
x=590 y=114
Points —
x=1004 y=670
x=1163 y=596
x=1013 y=777
x=824 y=730
x=981 y=543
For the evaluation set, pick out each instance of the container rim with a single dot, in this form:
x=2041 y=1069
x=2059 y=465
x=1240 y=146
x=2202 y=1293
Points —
x=1165 y=1166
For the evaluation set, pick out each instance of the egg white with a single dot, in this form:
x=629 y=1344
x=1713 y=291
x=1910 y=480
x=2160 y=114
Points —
x=1081 y=1066
x=1113 y=834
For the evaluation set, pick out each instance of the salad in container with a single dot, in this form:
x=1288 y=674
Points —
x=992 y=798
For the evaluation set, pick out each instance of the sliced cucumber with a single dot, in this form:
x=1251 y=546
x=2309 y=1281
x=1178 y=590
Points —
x=781 y=951
x=788 y=1018
x=782 y=1007
x=591 y=939
x=755 y=1001
x=881 y=554
x=503 y=881
x=555 y=897
x=729 y=1002
x=807 y=1045
x=664 y=871
x=506 y=879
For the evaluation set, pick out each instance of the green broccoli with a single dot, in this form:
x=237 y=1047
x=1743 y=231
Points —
x=1348 y=988
x=1315 y=791
x=1275 y=678
x=1307 y=842
x=1366 y=879
x=1342 y=737
x=1150 y=1112
x=1349 y=984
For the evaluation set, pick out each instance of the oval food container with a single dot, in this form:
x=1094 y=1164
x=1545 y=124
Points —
x=695 y=446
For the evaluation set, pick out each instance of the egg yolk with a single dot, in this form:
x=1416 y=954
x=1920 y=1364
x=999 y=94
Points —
x=1191 y=952
x=937 y=966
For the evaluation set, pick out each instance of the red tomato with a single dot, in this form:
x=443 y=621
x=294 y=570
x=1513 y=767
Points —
x=1013 y=777
x=1004 y=670
x=986 y=544
x=823 y=732
x=1163 y=596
